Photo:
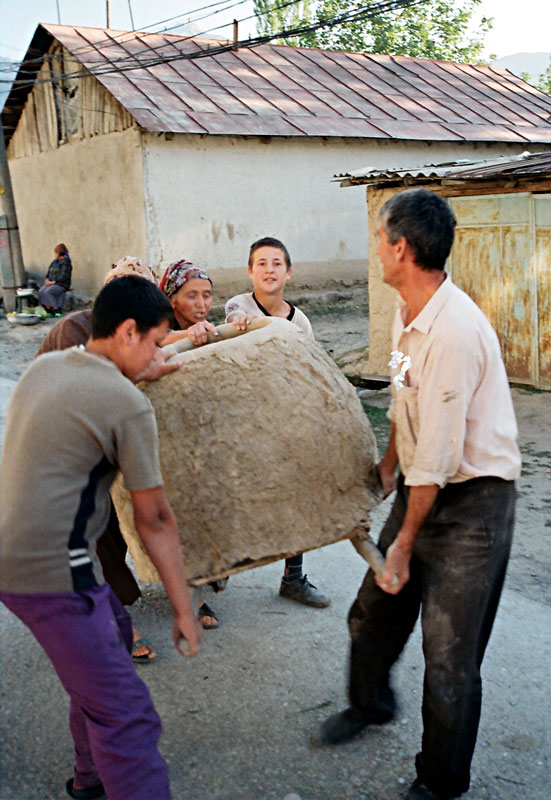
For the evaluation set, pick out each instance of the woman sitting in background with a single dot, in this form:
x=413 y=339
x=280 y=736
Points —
x=58 y=280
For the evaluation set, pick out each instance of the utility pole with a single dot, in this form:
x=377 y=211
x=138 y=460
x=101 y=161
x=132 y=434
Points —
x=11 y=258
x=58 y=13
x=108 y=13
x=131 y=15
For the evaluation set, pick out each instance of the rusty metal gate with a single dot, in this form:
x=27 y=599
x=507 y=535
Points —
x=502 y=258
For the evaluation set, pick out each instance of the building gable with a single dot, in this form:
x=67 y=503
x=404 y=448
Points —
x=64 y=105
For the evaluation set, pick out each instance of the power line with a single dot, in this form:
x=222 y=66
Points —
x=189 y=14
x=71 y=106
x=113 y=40
x=11 y=47
x=217 y=27
x=130 y=62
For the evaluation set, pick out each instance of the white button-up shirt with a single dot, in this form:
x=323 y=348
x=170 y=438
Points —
x=451 y=401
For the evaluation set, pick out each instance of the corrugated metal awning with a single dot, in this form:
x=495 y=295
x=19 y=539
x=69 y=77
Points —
x=526 y=165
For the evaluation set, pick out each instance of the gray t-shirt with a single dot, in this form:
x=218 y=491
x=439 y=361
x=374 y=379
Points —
x=74 y=421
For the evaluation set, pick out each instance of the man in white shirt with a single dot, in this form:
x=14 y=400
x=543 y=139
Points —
x=447 y=538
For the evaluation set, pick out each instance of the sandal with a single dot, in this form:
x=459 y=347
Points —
x=142 y=642
x=91 y=793
x=206 y=611
x=219 y=585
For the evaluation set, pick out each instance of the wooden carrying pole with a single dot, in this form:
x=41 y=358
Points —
x=365 y=547
x=226 y=331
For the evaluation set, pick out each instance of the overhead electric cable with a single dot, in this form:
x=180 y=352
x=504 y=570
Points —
x=131 y=36
x=113 y=40
x=130 y=62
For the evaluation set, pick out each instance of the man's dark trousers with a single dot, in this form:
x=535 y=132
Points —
x=457 y=572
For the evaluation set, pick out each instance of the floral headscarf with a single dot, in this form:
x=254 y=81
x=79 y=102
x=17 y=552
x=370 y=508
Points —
x=180 y=272
x=131 y=265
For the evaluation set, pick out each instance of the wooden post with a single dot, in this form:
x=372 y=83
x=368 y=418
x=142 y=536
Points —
x=131 y=14
x=235 y=34
x=11 y=258
x=107 y=14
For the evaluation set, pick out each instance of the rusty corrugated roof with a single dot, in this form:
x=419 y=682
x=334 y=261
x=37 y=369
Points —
x=526 y=165
x=277 y=90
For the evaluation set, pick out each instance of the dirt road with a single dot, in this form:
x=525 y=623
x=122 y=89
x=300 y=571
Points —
x=237 y=720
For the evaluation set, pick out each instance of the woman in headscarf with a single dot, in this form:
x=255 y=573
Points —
x=189 y=290
x=57 y=282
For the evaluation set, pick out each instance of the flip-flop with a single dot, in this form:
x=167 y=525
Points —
x=141 y=642
x=92 y=793
x=206 y=611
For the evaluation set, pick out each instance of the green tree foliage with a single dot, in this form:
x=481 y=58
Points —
x=277 y=15
x=430 y=29
x=544 y=81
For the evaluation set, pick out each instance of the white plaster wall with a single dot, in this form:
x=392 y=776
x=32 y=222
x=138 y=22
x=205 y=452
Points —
x=87 y=194
x=209 y=197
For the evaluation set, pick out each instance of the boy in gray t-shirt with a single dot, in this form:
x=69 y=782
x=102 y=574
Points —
x=86 y=420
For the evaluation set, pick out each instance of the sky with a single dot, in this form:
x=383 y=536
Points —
x=518 y=27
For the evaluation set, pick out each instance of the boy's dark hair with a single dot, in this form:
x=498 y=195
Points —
x=269 y=241
x=426 y=222
x=130 y=297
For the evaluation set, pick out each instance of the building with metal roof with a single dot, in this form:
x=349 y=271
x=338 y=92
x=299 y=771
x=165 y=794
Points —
x=169 y=146
x=501 y=254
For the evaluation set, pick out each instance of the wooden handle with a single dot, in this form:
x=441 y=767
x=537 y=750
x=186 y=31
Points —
x=366 y=548
x=226 y=331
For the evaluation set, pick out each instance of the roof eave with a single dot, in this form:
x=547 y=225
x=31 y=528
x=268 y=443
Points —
x=451 y=181
x=16 y=99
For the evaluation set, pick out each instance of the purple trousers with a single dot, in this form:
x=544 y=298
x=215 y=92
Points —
x=115 y=728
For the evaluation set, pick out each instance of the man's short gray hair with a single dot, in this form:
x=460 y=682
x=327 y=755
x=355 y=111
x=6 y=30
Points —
x=426 y=222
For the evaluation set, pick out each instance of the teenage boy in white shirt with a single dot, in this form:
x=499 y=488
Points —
x=269 y=269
